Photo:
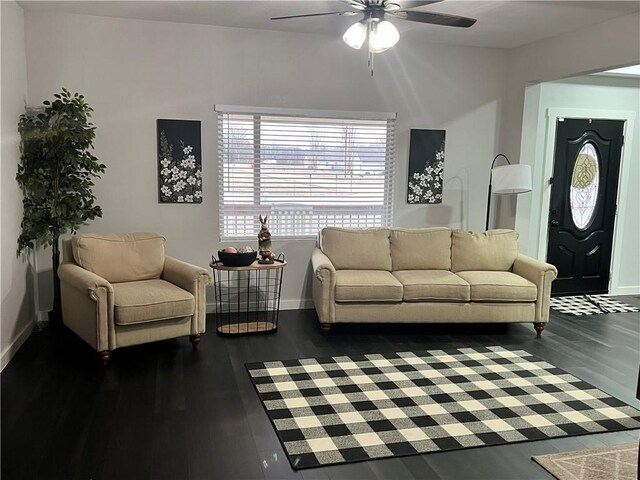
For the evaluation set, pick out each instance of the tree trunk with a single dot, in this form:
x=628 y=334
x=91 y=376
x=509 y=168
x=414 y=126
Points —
x=55 y=315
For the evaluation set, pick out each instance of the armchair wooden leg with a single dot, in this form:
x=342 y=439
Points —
x=104 y=356
x=195 y=339
x=325 y=328
x=539 y=326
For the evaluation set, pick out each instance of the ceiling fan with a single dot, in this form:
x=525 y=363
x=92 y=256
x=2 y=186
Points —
x=381 y=32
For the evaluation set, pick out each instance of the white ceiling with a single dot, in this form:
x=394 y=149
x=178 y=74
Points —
x=501 y=24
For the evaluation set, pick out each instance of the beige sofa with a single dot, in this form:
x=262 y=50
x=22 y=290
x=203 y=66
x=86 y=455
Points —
x=121 y=289
x=429 y=275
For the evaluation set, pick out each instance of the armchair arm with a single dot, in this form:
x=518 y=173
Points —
x=81 y=279
x=541 y=274
x=322 y=267
x=194 y=280
x=87 y=306
x=324 y=286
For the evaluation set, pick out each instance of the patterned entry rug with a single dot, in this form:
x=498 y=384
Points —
x=360 y=407
x=609 y=463
x=590 y=305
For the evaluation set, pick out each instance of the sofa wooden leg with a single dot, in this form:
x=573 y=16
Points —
x=104 y=356
x=325 y=328
x=539 y=326
x=195 y=339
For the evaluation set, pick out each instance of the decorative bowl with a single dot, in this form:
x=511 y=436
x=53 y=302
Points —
x=237 y=259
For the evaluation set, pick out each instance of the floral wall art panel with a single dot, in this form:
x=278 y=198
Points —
x=179 y=161
x=426 y=165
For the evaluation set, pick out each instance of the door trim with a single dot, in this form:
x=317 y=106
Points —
x=552 y=115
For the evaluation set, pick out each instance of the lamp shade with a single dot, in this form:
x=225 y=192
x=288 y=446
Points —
x=355 y=35
x=383 y=36
x=511 y=179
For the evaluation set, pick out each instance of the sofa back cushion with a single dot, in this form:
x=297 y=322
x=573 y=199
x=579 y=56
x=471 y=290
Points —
x=421 y=249
x=493 y=250
x=120 y=257
x=357 y=248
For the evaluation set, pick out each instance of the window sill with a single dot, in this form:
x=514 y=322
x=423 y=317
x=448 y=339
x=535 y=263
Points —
x=274 y=239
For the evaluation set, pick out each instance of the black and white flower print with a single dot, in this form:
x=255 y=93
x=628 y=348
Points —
x=180 y=178
x=426 y=186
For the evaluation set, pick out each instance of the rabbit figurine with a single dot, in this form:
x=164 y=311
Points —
x=264 y=242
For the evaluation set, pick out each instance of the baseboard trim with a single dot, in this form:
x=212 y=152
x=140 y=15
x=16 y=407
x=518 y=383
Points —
x=11 y=350
x=296 y=304
x=289 y=304
x=632 y=290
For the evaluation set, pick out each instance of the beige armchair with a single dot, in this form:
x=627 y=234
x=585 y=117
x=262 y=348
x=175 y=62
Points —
x=121 y=289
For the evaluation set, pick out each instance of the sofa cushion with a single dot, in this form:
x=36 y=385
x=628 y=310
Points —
x=493 y=250
x=367 y=286
x=432 y=285
x=120 y=257
x=357 y=249
x=149 y=300
x=499 y=287
x=421 y=249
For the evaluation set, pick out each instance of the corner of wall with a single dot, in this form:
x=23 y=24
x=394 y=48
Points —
x=16 y=286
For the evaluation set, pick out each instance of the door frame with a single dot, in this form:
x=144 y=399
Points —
x=552 y=115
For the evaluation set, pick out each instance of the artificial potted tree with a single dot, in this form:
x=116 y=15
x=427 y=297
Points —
x=56 y=173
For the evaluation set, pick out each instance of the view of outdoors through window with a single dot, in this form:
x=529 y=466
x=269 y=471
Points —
x=305 y=173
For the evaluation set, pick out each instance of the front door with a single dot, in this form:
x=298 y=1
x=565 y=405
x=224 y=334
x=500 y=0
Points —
x=583 y=203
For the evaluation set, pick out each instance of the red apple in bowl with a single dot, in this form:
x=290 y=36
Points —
x=230 y=250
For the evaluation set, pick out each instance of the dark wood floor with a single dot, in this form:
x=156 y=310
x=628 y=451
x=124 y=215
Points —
x=163 y=411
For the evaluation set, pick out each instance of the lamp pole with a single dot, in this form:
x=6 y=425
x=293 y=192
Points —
x=490 y=180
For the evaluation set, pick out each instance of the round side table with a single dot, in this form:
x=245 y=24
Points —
x=247 y=298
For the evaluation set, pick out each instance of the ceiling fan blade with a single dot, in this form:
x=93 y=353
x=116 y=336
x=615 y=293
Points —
x=435 y=18
x=405 y=4
x=313 y=15
x=357 y=4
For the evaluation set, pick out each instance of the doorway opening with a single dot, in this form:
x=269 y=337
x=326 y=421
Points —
x=583 y=98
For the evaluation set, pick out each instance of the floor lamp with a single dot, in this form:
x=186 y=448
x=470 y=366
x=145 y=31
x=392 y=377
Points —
x=507 y=180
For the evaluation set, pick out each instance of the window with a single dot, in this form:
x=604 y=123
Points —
x=305 y=170
x=583 y=193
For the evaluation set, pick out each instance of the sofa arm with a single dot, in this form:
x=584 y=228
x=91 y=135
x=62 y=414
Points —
x=324 y=286
x=87 y=306
x=194 y=280
x=541 y=274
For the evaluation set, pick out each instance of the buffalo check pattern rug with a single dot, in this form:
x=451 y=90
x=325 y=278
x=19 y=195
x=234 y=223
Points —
x=590 y=305
x=361 y=407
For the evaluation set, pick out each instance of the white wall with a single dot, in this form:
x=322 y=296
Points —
x=599 y=95
x=133 y=72
x=17 y=311
x=608 y=44
x=599 y=47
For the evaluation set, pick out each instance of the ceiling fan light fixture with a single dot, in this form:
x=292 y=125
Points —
x=383 y=36
x=355 y=35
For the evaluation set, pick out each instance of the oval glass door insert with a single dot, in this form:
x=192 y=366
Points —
x=583 y=193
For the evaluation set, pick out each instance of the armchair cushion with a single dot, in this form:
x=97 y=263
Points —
x=150 y=300
x=120 y=257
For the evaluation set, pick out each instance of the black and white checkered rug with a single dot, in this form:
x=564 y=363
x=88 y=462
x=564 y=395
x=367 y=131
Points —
x=590 y=305
x=360 y=407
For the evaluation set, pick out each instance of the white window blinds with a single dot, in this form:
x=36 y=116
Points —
x=304 y=170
